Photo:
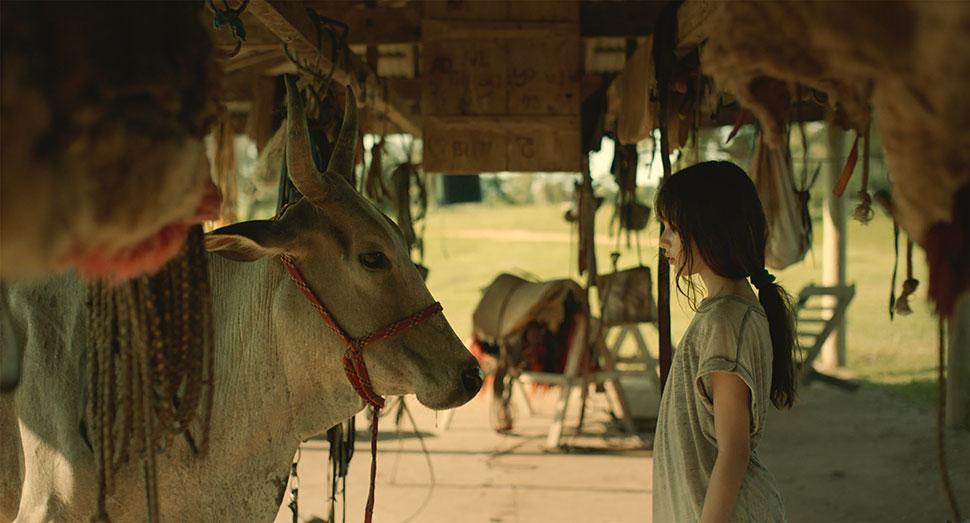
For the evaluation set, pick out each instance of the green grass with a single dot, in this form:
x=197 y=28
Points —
x=468 y=245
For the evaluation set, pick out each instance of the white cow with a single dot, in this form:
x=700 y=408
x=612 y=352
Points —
x=278 y=372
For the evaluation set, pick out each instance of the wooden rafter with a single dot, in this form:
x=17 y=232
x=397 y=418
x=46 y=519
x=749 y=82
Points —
x=402 y=25
x=291 y=24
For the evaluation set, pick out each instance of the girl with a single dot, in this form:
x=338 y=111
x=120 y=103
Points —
x=734 y=358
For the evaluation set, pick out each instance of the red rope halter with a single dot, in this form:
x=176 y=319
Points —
x=354 y=360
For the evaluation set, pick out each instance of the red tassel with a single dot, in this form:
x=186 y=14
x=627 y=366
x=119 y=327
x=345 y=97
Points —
x=847 y=170
x=738 y=122
x=947 y=248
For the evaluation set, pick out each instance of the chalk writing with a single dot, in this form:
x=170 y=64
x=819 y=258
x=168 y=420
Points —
x=519 y=77
x=477 y=58
x=473 y=148
x=530 y=102
x=526 y=145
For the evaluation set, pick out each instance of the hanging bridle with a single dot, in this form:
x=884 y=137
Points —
x=354 y=359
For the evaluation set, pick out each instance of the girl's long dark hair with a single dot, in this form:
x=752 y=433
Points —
x=715 y=207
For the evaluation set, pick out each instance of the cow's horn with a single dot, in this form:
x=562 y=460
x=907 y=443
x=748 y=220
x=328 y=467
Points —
x=299 y=159
x=344 y=151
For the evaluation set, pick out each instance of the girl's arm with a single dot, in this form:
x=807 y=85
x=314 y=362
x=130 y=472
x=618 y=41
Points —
x=732 y=421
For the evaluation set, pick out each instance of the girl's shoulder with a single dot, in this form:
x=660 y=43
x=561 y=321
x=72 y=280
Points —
x=728 y=318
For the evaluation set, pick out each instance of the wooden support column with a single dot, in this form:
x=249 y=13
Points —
x=833 y=244
x=958 y=368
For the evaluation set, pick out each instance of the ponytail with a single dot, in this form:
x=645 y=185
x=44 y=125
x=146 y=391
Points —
x=777 y=304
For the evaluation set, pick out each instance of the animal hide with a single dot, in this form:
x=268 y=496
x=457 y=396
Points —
x=909 y=62
x=104 y=108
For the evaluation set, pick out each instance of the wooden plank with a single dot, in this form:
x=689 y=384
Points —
x=553 y=147
x=464 y=77
x=466 y=144
x=618 y=18
x=544 y=76
x=544 y=10
x=462 y=149
x=375 y=25
x=489 y=30
x=402 y=25
x=291 y=24
x=465 y=10
x=253 y=59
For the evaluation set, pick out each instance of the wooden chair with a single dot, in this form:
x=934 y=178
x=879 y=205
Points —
x=818 y=311
x=572 y=379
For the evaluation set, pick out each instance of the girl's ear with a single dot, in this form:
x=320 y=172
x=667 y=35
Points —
x=249 y=241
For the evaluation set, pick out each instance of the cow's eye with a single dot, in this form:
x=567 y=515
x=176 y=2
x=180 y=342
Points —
x=375 y=261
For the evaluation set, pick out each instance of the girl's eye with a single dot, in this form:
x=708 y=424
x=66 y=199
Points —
x=374 y=261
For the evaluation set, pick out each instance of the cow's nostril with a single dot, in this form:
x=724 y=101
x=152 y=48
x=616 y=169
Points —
x=471 y=378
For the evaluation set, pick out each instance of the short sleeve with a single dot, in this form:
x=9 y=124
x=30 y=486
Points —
x=734 y=347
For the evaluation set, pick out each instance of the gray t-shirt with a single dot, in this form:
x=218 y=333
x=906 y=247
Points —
x=728 y=334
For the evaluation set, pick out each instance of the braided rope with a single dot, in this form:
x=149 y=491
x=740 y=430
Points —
x=149 y=358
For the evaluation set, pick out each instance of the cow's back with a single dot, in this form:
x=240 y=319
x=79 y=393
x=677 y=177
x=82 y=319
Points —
x=42 y=415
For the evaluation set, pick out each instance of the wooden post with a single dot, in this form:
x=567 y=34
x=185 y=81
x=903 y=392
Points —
x=958 y=368
x=833 y=244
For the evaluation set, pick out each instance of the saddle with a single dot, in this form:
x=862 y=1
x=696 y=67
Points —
x=510 y=303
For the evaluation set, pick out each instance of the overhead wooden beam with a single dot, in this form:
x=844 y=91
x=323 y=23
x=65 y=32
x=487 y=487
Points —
x=402 y=25
x=290 y=22
x=373 y=25
x=618 y=18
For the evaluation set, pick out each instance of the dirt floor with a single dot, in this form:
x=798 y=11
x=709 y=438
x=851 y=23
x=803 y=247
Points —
x=839 y=456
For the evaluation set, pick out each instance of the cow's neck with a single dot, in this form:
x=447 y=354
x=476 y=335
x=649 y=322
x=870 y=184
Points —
x=279 y=378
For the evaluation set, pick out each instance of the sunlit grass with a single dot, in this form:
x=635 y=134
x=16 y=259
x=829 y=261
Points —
x=468 y=245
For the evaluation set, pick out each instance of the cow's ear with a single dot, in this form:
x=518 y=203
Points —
x=249 y=241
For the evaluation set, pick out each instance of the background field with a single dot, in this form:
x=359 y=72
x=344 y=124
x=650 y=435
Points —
x=468 y=245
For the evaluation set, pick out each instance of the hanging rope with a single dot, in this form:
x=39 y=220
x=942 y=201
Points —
x=341 y=438
x=337 y=31
x=807 y=181
x=863 y=212
x=940 y=429
x=149 y=368
x=373 y=185
x=892 y=284
x=909 y=286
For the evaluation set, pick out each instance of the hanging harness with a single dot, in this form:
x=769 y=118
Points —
x=354 y=359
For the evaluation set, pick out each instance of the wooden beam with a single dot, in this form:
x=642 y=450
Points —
x=618 y=18
x=402 y=25
x=475 y=30
x=290 y=22
x=375 y=25
x=253 y=60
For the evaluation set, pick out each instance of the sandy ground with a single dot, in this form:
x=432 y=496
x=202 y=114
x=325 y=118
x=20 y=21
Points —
x=839 y=456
